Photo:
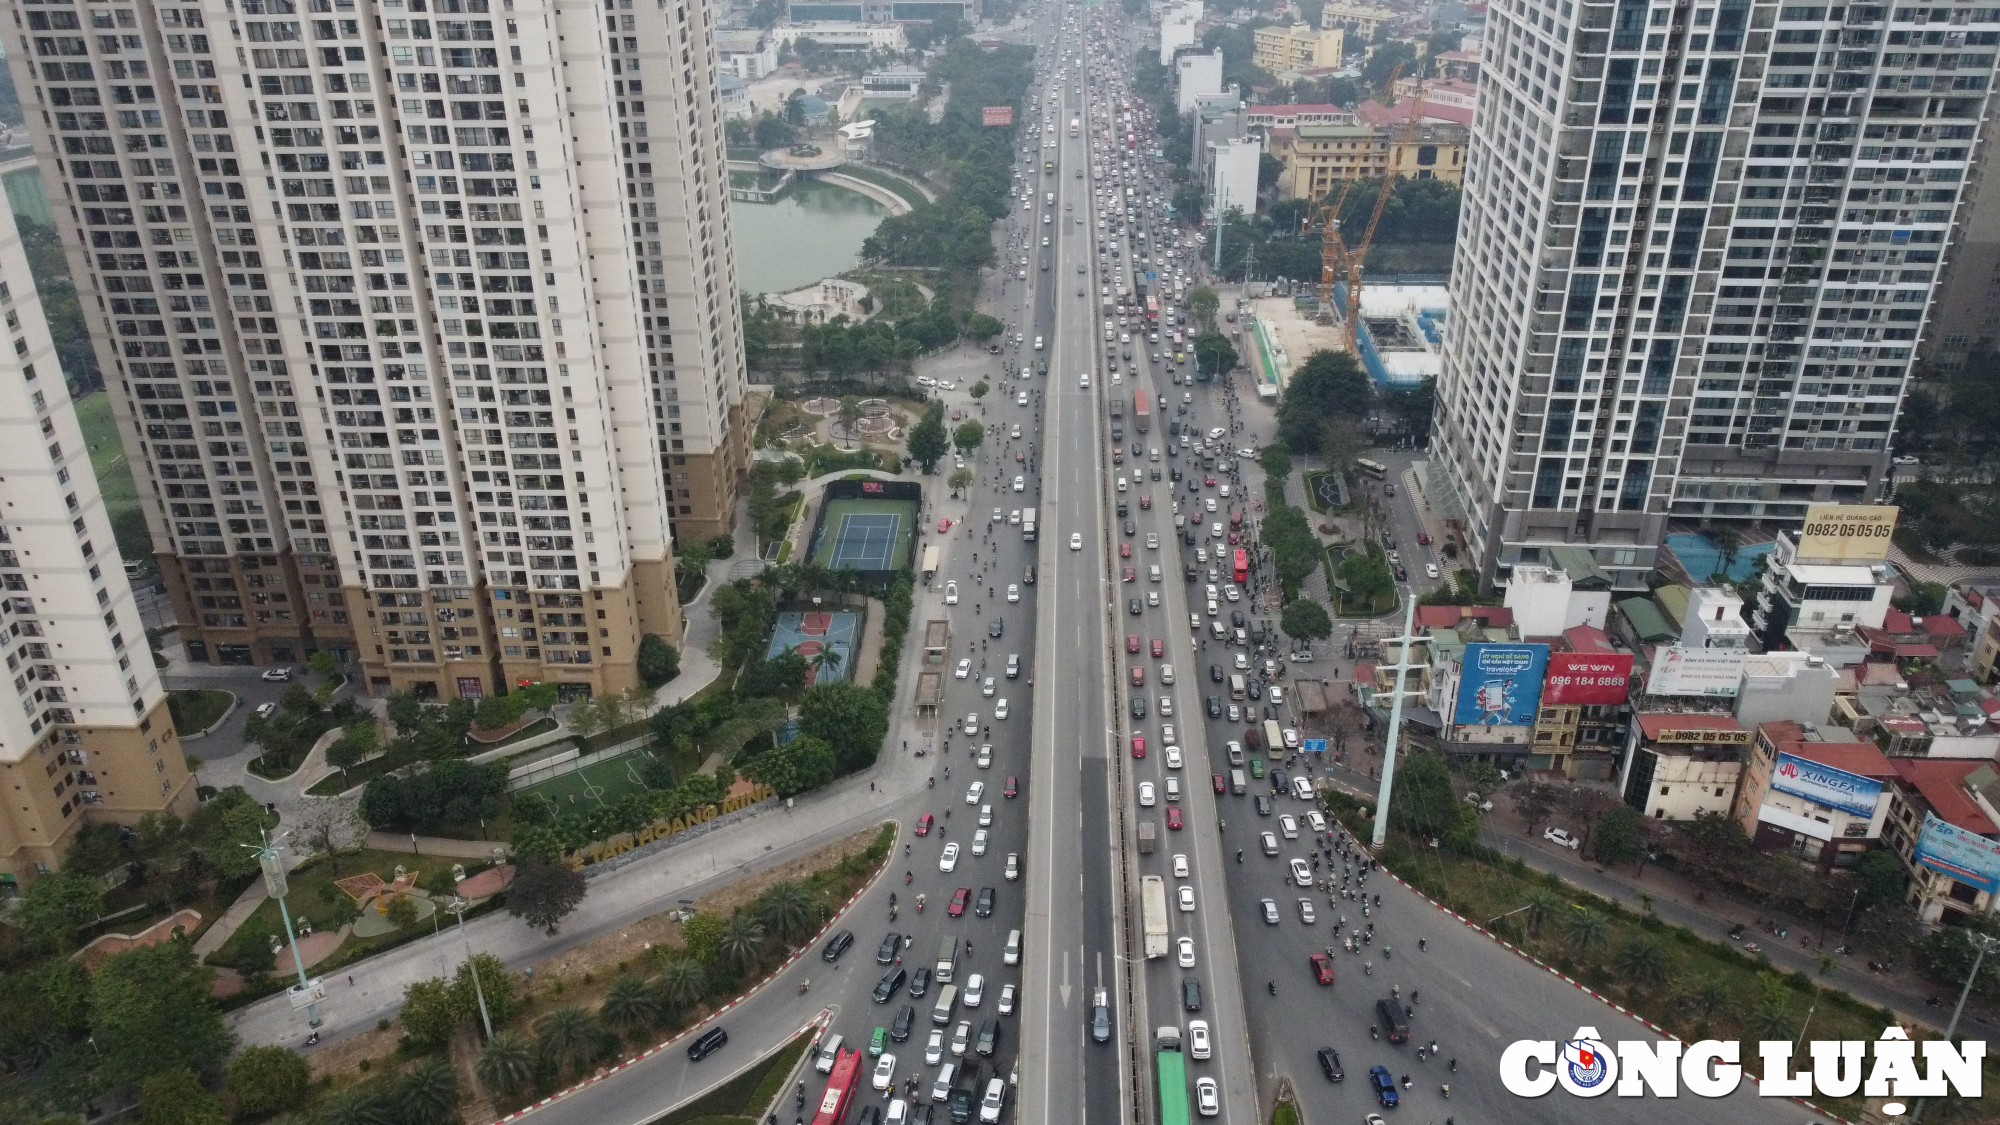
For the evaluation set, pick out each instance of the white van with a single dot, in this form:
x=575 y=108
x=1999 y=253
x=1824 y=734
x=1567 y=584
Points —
x=829 y=1049
x=941 y=1089
x=1012 y=956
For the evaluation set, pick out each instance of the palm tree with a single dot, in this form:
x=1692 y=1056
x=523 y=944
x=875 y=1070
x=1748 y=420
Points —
x=428 y=1094
x=827 y=660
x=507 y=1064
x=742 y=941
x=1584 y=929
x=1643 y=961
x=682 y=983
x=1541 y=905
x=1703 y=999
x=628 y=1003
x=1771 y=1019
x=358 y=1105
x=568 y=1038
x=788 y=910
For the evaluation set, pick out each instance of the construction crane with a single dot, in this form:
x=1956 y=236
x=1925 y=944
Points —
x=1337 y=262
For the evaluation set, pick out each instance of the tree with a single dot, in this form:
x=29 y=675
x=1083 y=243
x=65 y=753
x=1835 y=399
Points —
x=496 y=984
x=850 y=719
x=267 y=1080
x=960 y=480
x=1327 y=385
x=927 y=441
x=1305 y=620
x=330 y=826
x=628 y=1003
x=1712 y=848
x=850 y=413
x=544 y=894
x=1202 y=302
x=431 y=1012
x=1772 y=1016
x=1534 y=802
x=177 y=1097
x=682 y=983
x=55 y=907
x=979 y=390
x=1616 y=838
x=969 y=435
x=1642 y=960
x=1367 y=576
x=1214 y=354
x=980 y=326
x=1879 y=879
x=1541 y=905
x=568 y=1038
x=1484 y=777
x=742 y=942
x=1583 y=930
x=1422 y=803
x=360 y=1105
x=1924 y=599
x=507 y=1063
x=1703 y=998
x=428 y=1094
x=658 y=661
x=787 y=910
x=353 y=746
x=150 y=1011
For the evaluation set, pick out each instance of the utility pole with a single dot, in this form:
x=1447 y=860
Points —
x=1403 y=666
x=1984 y=945
x=307 y=993
x=458 y=907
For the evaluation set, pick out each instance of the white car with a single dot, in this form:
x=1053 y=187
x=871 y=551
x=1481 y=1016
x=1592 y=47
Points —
x=975 y=791
x=1185 y=954
x=1270 y=908
x=1560 y=838
x=1173 y=754
x=1187 y=900
x=1289 y=825
x=964 y=667
x=1013 y=866
x=986 y=687
x=985 y=816
x=1000 y=709
x=1083 y=380
x=1430 y=570
x=1207 y=1097
x=1007 y=999
x=951 y=593
x=984 y=759
x=1301 y=874
x=1198 y=1044
x=1166 y=706
x=934 y=1048
x=971 y=723
x=1152 y=541
x=885 y=1072
x=1232 y=593
x=1167 y=735
x=1020 y=483
x=1180 y=865
x=1076 y=541
x=1146 y=794
x=948 y=862
x=975 y=990
x=979 y=842
x=1306 y=913
x=961 y=1038
x=1013 y=592
x=1208 y=505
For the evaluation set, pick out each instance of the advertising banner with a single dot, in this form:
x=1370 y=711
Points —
x=1500 y=685
x=1588 y=678
x=996 y=115
x=1696 y=671
x=1825 y=785
x=1965 y=856
x=1851 y=532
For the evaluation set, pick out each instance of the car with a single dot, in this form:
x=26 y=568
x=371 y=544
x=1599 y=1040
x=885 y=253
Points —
x=1159 y=648
x=984 y=907
x=1287 y=823
x=1235 y=713
x=924 y=823
x=885 y=953
x=1174 y=820
x=1215 y=779
x=994 y=628
x=964 y=669
x=1131 y=642
x=878 y=1042
x=1146 y=502
x=1186 y=897
x=1076 y=538
x=1430 y=570
x=1013 y=866
x=984 y=758
x=1013 y=592
x=961 y=1038
x=974 y=792
x=951 y=588
x=1322 y=966
x=1013 y=788
x=906 y=1016
x=1329 y=1065
x=1132 y=605
x=971 y=723
x=1561 y=838
x=265 y=710
x=974 y=992
x=959 y=898
x=891 y=982
x=1006 y=1001
x=1146 y=794
x=1100 y=1017
x=1263 y=803
x=1306 y=913
x=979 y=842
x=1270 y=908
x=948 y=862
x=934 y=1048
x=1173 y=753
x=1199 y=1046
x=987 y=687
x=885 y=1072
x=1214 y=707
x=276 y=676
x=1000 y=709
x=707 y=1043
x=1384 y=1085
x=1138 y=746
x=1013 y=665
x=1207 y=1097
x=1215 y=673
x=1185 y=952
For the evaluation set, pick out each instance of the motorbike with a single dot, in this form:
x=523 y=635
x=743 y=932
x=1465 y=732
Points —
x=920 y=904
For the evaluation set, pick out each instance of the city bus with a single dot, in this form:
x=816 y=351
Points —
x=1152 y=310
x=1374 y=469
x=840 y=1087
x=1242 y=565
x=1173 y=1076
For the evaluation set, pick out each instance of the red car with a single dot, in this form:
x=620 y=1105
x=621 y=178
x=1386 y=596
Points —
x=924 y=823
x=1423 y=538
x=1131 y=642
x=1018 y=456
x=1013 y=788
x=1174 y=817
x=1232 y=538
x=1145 y=501
x=1209 y=481
x=1322 y=968
x=1124 y=550
x=1138 y=675
x=958 y=900
x=1217 y=778
x=1138 y=746
x=1159 y=648
x=1130 y=575
x=944 y=525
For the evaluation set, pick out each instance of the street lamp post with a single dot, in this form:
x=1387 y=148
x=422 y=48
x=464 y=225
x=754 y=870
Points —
x=458 y=906
x=1403 y=666
x=1982 y=944
x=275 y=884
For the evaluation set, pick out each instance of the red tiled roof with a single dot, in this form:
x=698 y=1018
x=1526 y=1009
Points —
x=1941 y=782
x=1781 y=731
x=1372 y=112
x=1292 y=110
x=1938 y=625
x=1854 y=757
x=1587 y=638
x=1448 y=616
x=1653 y=723
x=1896 y=621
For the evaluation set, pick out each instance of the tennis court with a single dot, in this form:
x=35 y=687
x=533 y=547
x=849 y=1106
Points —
x=597 y=785
x=810 y=634
x=866 y=534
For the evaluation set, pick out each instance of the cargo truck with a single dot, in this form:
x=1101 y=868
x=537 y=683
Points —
x=1142 y=411
x=1153 y=905
x=947 y=960
x=1027 y=525
x=1146 y=837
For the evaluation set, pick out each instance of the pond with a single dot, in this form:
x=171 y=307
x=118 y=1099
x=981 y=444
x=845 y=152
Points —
x=815 y=231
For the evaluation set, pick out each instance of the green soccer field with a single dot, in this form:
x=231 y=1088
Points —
x=599 y=784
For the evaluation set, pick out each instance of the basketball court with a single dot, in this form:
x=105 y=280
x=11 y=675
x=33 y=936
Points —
x=810 y=634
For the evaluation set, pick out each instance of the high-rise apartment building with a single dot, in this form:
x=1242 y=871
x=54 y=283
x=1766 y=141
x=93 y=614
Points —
x=421 y=317
x=85 y=735
x=1698 y=247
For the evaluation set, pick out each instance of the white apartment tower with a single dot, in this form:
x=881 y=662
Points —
x=1699 y=243
x=85 y=734
x=420 y=315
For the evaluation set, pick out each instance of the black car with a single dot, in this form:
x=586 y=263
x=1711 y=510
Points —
x=1130 y=528
x=1191 y=994
x=993 y=628
x=899 y=1028
x=707 y=1043
x=984 y=907
x=1131 y=606
x=890 y=982
x=870 y=1115
x=1138 y=706
x=1188 y=537
x=1329 y=1065
x=837 y=945
x=1263 y=805
x=1278 y=781
x=920 y=983
x=886 y=952
x=1029 y=577
x=1254 y=690
x=1236 y=618
x=1190 y=572
x=1100 y=1023
x=989 y=1038
x=1214 y=707
x=1215 y=673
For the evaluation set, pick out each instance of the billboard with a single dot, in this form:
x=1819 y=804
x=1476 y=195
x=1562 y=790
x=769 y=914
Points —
x=1696 y=671
x=1965 y=856
x=996 y=115
x=1587 y=677
x=1850 y=532
x=1825 y=785
x=1500 y=685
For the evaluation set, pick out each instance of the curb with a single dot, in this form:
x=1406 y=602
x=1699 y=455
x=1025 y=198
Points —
x=234 y=700
x=825 y=1015
x=1573 y=982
